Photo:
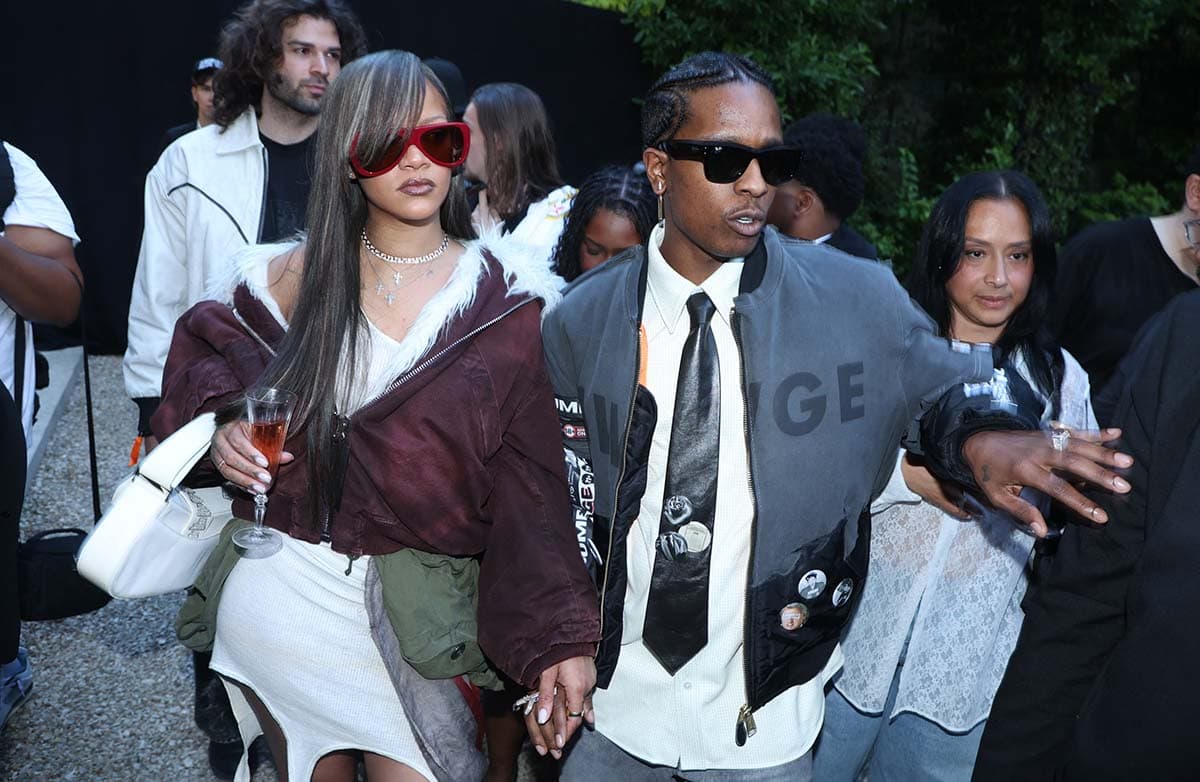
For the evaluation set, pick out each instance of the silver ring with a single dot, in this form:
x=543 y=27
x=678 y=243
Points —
x=220 y=463
x=1060 y=439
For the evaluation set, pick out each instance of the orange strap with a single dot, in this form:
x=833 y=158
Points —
x=136 y=451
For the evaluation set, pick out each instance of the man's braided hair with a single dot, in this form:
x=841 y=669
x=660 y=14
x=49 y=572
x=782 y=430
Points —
x=665 y=110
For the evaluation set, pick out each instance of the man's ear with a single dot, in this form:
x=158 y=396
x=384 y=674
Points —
x=655 y=161
x=1191 y=193
x=804 y=200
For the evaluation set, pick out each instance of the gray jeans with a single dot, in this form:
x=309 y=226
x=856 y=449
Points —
x=594 y=758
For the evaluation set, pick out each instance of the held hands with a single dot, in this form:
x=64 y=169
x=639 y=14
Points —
x=920 y=480
x=1004 y=462
x=564 y=700
x=238 y=461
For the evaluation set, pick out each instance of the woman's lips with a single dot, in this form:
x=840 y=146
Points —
x=417 y=187
x=994 y=302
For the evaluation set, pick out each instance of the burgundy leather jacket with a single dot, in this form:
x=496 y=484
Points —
x=461 y=457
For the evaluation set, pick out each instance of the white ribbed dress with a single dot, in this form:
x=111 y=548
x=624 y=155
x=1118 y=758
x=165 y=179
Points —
x=293 y=628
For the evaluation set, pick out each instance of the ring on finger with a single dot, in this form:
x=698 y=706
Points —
x=1060 y=438
x=575 y=714
x=220 y=463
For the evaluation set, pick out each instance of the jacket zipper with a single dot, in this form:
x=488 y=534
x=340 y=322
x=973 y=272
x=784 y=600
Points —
x=262 y=210
x=341 y=436
x=745 y=727
x=341 y=430
x=612 y=525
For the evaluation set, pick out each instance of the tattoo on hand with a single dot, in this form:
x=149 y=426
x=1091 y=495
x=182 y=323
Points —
x=987 y=474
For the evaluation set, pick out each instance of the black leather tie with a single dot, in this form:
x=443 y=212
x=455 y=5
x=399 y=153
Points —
x=677 y=608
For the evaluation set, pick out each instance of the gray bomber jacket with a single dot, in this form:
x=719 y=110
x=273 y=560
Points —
x=837 y=361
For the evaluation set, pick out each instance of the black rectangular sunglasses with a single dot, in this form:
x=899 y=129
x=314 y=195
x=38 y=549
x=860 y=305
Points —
x=725 y=162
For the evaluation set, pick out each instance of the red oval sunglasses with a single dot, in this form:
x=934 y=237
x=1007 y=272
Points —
x=444 y=143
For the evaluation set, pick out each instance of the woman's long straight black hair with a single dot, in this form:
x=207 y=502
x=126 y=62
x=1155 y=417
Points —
x=373 y=99
x=941 y=251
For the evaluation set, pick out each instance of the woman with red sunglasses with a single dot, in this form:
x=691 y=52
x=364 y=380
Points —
x=425 y=422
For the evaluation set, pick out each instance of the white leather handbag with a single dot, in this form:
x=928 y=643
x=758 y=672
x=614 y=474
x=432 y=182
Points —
x=156 y=535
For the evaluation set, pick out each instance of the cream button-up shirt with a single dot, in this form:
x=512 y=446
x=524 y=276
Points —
x=688 y=720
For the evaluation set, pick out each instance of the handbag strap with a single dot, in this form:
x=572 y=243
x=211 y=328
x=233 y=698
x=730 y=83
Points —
x=19 y=365
x=173 y=458
x=87 y=395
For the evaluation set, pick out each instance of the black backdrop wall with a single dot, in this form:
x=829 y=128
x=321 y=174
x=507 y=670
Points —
x=89 y=88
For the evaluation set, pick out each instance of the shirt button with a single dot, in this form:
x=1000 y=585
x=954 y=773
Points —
x=687 y=685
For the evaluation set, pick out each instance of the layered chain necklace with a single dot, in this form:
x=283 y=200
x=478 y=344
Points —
x=399 y=277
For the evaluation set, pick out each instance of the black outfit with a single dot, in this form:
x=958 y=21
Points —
x=850 y=241
x=289 y=180
x=1104 y=683
x=12 y=498
x=1112 y=277
x=12 y=464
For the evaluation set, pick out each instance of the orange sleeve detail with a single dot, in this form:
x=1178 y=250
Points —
x=644 y=353
x=136 y=451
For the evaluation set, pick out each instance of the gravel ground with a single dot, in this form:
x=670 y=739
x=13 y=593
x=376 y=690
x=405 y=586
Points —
x=112 y=692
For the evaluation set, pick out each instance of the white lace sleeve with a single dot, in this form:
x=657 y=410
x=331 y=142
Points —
x=1076 y=396
x=896 y=492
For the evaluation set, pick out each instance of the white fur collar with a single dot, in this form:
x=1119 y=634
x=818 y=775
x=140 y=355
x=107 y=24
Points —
x=526 y=271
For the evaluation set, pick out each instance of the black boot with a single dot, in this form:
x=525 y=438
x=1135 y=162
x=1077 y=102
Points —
x=214 y=716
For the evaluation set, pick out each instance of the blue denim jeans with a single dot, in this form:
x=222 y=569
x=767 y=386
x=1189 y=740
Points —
x=908 y=748
x=592 y=757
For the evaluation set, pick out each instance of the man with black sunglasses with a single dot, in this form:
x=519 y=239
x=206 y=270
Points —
x=731 y=401
x=242 y=180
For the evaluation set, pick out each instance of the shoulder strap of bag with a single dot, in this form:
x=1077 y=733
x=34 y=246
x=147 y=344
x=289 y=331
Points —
x=87 y=395
x=18 y=390
x=168 y=464
x=8 y=183
x=8 y=193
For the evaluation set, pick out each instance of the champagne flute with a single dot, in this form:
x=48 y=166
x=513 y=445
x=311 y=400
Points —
x=269 y=411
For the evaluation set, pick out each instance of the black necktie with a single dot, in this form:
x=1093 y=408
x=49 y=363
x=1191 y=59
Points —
x=677 y=608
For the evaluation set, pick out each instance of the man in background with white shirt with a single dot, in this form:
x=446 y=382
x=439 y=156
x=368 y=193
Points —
x=39 y=282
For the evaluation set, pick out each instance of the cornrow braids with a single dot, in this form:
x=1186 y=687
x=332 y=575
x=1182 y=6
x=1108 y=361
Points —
x=623 y=190
x=666 y=107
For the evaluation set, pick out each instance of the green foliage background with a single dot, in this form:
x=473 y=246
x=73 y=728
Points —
x=1096 y=100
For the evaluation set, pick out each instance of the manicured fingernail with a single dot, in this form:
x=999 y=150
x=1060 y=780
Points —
x=1124 y=460
x=556 y=754
x=540 y=749
x=1098 y=514
x=264 y=477
x=1039 y=529
x=558 y=740
x=259 y=488
x=260 y=461
x=1120 y=484
x=543 y=715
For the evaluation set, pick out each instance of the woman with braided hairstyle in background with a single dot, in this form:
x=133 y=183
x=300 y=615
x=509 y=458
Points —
x=613 y=211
